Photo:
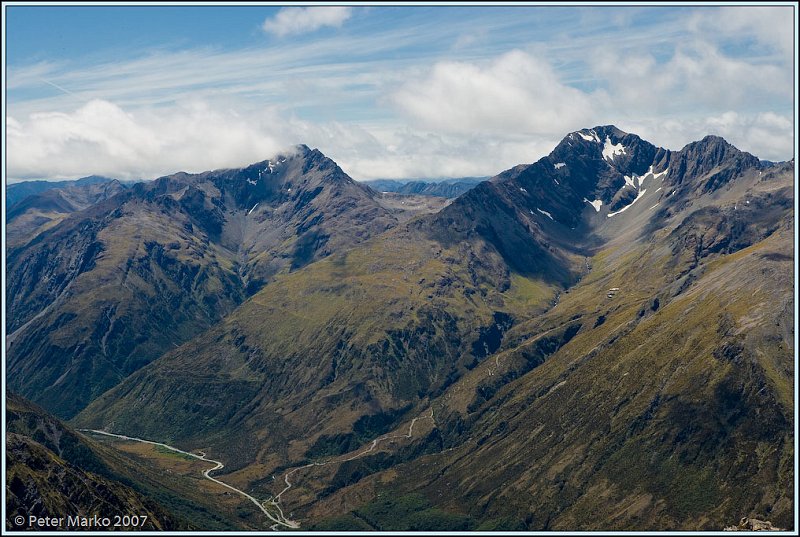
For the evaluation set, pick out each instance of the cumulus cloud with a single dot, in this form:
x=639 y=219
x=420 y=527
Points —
x=100 y=137
x=298 y=20
x=408 y=153
x=515 y=92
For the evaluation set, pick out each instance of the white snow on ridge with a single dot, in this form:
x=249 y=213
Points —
x=559 y=165
x=611 y=150
x=631 y=181
x=548 y=215
x=252 y=182
x=641 y=193
x=523 y=190
x=253 y=209
x=660 y=174
x=589 y=137
x=596 y=204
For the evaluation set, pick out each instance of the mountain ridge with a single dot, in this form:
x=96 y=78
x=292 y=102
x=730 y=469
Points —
x=159 y=262
x=551 y=325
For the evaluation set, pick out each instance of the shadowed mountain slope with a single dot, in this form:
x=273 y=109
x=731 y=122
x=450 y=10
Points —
x=51 y=471
x=115 y=285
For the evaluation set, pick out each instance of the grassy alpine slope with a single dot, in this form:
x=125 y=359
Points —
x=670 y=407
x=116 y=285
x=615 y=365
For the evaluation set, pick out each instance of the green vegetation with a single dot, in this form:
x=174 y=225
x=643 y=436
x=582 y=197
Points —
x=638 y=376
x=172 y=453
x=410 y=512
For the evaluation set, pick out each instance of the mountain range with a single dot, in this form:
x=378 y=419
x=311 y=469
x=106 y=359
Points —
x=602 y=339
x=447 y=188
x=16 y=192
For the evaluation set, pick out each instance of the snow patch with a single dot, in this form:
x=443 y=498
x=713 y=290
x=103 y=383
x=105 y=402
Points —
x=589 y=137
x=559 y=165
x=659 y=188
x=253 y=209
x=641 y=193
x=252 y=182
x=523 y=190
x=653 y=207
x=636 y=181
x=612 y=150
x=596 y=204
x=548 y=215
x=556 y=181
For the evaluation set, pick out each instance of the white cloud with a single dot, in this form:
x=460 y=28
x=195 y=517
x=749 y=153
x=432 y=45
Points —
x=696 y=77
x=297 y=20
x=379 y=105
x=407 y=153
x=516 y=92
x=102 y=138
x=772 y=26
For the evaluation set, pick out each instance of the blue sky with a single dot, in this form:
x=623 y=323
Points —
x=403 y=91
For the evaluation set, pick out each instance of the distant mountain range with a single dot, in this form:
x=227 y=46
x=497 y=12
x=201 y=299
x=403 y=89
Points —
x=600 y=340
x=16 y=192
x=38 y=212
x=445 y=188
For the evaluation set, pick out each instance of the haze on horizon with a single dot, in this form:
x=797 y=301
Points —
x=385 y=91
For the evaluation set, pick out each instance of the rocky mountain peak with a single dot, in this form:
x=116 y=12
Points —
x=713 y=159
